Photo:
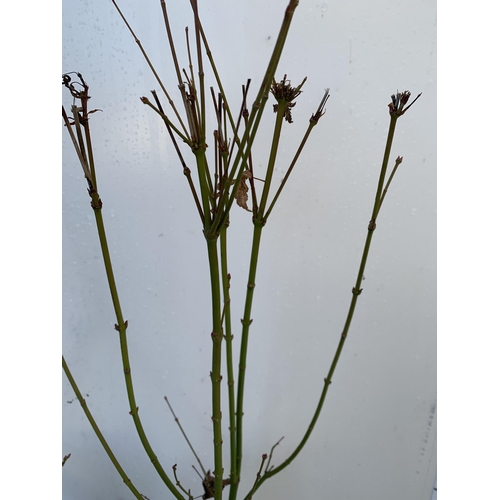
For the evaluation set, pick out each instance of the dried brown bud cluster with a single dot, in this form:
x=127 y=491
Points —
x=283 y=91
x=399 y=101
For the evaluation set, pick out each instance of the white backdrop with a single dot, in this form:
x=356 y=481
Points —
x=376 y=437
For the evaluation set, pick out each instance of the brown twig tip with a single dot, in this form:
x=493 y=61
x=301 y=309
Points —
x=283 y=91
x=72 y=86
x=399 y=101
x=399 y=160
x=321 y=108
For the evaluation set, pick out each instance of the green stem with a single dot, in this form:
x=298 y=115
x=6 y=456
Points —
x=289 y=171
x=398 y=162
x=313 y=121
x=356 y=291
x=246 y=322
x=280 y=114
x=121 y=326
x=204 y=187
x=97 y=431
x=215 y=374
x=229 y=354
x=385 y=162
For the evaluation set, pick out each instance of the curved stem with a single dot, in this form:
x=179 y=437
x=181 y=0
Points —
x=121 y=326
x=97 y=431
x=356 y=291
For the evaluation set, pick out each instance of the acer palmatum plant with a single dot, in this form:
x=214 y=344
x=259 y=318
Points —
x=229 y=181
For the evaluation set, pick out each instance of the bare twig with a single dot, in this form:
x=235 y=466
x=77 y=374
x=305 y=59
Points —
x=185 y=436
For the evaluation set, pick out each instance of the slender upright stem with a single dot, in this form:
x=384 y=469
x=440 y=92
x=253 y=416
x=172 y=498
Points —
x=226 y=282
x=385 y=162
x=246 y=322
x=282 y=104
x=215 y=374
x=204 y=187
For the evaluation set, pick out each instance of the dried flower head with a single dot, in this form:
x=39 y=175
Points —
x=399 y=101
x=283 y=91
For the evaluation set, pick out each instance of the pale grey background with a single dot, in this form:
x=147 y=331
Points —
x=376 y=438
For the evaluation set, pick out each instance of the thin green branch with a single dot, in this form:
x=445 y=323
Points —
x=121 y=325
x=398 y=162
x=246 y=322
x=396 y=111
x=204 y=187
x=312 y=123
x=226 y=283
x=98 y=432
x=280 y=115
x=385 y=161
x=215 y=374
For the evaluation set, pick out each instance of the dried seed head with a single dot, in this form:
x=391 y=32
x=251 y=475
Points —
x=283 y=91
x=399 y=101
